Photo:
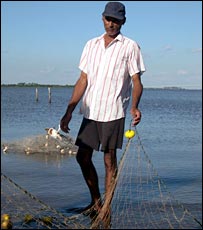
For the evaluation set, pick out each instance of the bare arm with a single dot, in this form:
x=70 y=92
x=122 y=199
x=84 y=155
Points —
x=136 y=95
x=77 y=94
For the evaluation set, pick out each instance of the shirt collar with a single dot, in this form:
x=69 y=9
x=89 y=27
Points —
x=118 y=38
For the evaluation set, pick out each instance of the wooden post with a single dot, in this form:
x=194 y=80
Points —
x=49 y=90
x=36 y=94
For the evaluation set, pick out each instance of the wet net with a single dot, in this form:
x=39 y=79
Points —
x=41 y=144
x=139 y=199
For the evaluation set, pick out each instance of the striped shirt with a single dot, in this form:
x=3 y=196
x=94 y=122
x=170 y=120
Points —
x=109 y=71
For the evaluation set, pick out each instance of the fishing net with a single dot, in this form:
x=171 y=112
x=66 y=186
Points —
x=139 y=199
x=41 y=144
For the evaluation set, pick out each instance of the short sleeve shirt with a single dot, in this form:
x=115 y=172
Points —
x=109 y=71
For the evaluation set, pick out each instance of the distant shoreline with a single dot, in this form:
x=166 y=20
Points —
x=71 y=86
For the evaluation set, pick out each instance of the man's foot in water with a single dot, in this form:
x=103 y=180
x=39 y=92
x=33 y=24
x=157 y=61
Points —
x=93 y=207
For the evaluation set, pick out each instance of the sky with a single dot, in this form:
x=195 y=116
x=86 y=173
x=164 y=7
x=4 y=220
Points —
x=42 y=41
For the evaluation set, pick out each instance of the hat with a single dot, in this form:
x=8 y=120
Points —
x=114 y=10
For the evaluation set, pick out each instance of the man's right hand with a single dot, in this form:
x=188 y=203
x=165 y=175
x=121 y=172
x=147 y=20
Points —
x=65 y=122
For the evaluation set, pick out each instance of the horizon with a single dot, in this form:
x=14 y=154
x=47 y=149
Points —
x=24 y=84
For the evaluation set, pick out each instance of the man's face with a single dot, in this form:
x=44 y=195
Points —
x=112 y=25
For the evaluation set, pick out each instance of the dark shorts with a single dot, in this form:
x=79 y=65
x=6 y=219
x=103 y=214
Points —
x=109 y=135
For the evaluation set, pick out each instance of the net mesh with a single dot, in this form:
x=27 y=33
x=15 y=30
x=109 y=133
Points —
x=41 y=144
x=139 y=199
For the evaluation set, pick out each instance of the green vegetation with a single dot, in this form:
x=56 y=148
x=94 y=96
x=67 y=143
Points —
x=23 y=84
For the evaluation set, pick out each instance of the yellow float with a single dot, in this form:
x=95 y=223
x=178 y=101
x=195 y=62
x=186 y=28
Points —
x=5 y=217
x=6 y=222
x=129 y=133
x=47 y=219
x=28 y=218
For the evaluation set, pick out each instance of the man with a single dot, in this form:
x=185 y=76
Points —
x=111 y=66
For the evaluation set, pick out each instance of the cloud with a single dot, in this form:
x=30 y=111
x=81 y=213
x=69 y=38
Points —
x=167 y=48
x=182 y=72
x=198 y=50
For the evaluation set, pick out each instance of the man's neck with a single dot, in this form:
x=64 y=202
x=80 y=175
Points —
x=110 y=37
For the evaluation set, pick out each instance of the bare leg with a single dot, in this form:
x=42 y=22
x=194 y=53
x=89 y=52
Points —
x=110 y=161
x=84 y=158
x=104 y=217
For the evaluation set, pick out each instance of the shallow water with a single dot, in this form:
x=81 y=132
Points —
x=171 y=132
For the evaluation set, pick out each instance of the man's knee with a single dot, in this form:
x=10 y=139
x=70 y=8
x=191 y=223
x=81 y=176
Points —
x=84 y=155
x=110 y=159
